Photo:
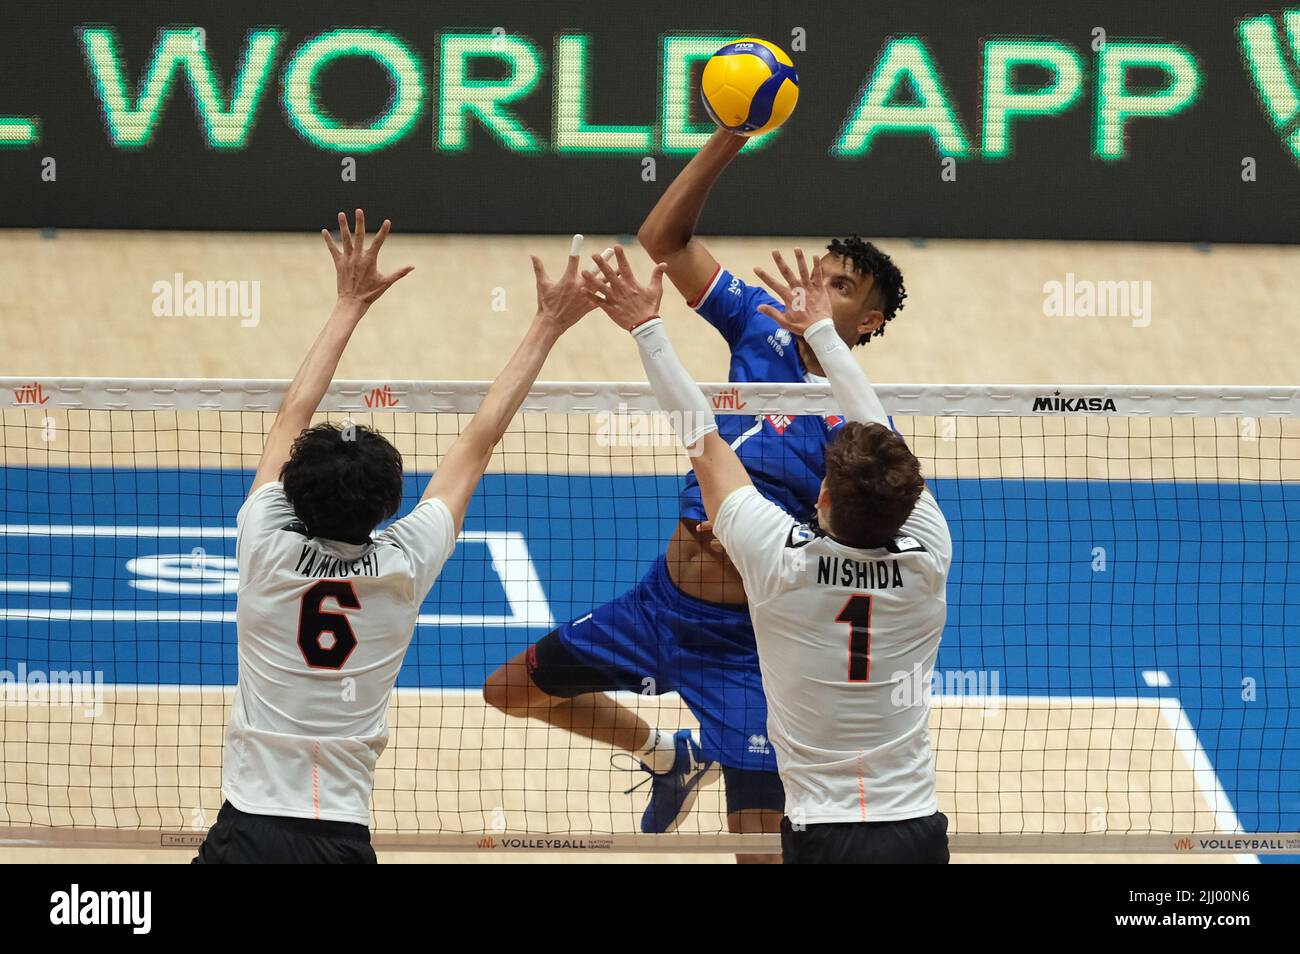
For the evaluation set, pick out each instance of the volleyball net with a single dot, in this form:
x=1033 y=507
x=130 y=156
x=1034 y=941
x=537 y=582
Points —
x=1118 y=671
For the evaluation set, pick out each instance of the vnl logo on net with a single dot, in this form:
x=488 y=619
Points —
x=64 y=688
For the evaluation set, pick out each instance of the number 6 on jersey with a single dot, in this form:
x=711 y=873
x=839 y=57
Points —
x=314 y=622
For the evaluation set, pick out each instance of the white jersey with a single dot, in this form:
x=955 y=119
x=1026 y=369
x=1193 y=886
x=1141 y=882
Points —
x=323 y=627
x=845 y=636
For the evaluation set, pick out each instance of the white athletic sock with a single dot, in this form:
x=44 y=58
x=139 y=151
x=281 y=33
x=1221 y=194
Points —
x=658 y=752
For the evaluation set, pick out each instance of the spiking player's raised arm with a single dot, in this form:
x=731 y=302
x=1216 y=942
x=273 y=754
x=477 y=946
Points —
x=668 y=232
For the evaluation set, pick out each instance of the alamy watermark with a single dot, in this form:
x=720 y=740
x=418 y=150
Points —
x=179 y=298
x=914 y=688
x=1085 y=298
x=56 y=687
x=78 y=906
x=629 y=428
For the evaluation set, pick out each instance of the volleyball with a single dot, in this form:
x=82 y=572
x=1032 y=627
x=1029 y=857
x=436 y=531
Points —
x=749 y=87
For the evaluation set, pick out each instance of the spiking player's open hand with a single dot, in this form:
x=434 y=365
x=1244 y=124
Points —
x=357 y=267
x=805 y=297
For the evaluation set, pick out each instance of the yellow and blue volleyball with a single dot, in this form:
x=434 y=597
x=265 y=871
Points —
x=749 y=87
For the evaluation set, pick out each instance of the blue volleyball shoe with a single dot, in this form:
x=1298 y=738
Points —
x=673 y=793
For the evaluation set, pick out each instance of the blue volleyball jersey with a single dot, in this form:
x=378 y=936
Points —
x=785 y=456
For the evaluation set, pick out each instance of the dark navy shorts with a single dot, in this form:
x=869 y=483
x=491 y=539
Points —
x=655 y=639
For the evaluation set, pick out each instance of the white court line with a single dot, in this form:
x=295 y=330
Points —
x=1175 y=716
x=511 y=561
x=518 y=574
x=35 y=586
x=95 y=530
x=1207 y=778
x=529 y=619
x=117 y=616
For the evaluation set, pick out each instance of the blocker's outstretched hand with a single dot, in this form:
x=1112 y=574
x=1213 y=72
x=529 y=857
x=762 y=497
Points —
x=359 y=284
x=561 y=303
x=357 y=267
x=617 y=292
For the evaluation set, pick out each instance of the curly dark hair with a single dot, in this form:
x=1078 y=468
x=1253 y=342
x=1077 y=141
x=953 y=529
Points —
x=343 y=481
x=873 y=481
x=869 y=260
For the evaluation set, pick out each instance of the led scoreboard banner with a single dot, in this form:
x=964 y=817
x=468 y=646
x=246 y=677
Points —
x=1091 y=119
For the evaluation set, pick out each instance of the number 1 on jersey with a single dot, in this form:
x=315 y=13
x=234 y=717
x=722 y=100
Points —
x=857 y=613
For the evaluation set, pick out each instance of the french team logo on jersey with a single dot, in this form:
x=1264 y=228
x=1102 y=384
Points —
x=780 y=422
x=833 y=421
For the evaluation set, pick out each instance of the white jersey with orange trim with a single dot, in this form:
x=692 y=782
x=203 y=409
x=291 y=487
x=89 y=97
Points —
x=323 y=627
x=847 y=640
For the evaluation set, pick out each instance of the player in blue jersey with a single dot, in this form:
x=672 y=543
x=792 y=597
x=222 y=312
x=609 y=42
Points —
x=685 y=627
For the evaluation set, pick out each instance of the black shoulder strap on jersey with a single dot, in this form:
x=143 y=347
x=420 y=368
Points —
x=906 y=545
x=802 y=534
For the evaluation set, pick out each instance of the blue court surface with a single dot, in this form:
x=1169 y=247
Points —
x=1063 y=588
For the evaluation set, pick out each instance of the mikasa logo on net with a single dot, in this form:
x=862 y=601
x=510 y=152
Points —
x=1055 y=402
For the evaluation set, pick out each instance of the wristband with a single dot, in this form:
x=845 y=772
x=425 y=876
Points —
x=643 y=322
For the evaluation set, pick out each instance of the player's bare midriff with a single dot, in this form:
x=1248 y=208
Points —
x=699 y=571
